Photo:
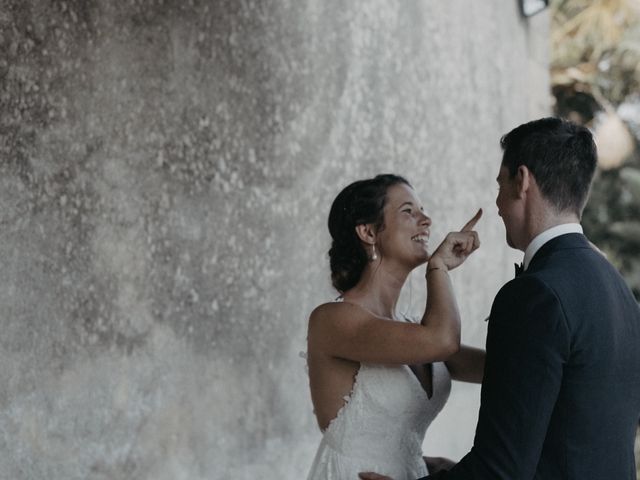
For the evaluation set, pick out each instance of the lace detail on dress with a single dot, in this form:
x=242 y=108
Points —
x=382 y=424
x=347 y=398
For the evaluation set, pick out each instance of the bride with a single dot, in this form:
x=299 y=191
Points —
x=377 y=379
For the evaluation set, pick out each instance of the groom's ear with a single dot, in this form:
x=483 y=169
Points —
x=524 y=180
x=366 y=233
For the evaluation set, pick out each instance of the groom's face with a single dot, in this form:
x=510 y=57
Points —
x=506 y=203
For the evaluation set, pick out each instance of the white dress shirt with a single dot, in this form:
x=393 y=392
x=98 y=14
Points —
x=547 y=235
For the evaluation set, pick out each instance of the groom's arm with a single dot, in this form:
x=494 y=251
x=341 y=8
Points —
x=527 y=346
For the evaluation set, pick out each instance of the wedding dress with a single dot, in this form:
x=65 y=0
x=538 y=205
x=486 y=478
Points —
x=381 y=426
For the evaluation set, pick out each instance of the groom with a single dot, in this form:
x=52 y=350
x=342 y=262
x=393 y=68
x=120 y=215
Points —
x=561 y=389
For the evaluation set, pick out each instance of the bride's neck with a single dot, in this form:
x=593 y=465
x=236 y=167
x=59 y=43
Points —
x=378 y=290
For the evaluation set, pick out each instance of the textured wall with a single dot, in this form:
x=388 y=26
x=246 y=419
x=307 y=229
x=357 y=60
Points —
x=166 y=169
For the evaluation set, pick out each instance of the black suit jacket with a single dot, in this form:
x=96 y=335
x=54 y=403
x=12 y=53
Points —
x=561 y=390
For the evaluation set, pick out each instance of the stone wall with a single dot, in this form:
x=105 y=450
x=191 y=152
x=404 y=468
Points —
x=166 y=169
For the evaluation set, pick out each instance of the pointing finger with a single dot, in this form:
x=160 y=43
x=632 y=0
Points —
x=472 y=223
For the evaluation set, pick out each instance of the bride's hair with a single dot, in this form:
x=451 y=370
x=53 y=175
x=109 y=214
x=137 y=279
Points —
x=359 y=203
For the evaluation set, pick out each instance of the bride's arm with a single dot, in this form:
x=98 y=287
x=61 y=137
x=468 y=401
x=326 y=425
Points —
x=467 y=365
x=347 y=331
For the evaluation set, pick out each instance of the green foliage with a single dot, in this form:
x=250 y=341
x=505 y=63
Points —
x=595 y=68
x=612 y=219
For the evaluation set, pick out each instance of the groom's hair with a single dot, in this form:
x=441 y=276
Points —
x=561 y=156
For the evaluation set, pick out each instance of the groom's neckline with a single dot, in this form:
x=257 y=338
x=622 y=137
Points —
x=545 y=237
x=562 y=242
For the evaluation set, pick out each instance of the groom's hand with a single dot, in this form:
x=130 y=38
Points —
x=372 y=476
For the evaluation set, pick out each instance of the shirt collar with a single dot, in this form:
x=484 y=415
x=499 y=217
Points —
x=547 y=235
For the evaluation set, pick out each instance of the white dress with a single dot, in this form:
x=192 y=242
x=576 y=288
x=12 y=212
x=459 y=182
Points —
x=382 y=425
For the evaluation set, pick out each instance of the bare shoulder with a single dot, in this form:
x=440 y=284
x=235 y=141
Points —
x=336 y=318
x=338 y=312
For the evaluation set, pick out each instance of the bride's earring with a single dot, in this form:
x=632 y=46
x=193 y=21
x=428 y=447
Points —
x=373 y=257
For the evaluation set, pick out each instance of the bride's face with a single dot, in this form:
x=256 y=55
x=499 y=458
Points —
x=404 y=235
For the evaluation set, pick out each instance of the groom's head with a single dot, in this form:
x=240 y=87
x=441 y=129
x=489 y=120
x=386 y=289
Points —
x=547 y=165
x=560 y=155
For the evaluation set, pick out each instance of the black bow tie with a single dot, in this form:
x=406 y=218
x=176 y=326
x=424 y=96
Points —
x=519 y=268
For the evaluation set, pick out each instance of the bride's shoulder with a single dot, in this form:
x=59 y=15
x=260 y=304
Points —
x=335 y=312
x=330 y=309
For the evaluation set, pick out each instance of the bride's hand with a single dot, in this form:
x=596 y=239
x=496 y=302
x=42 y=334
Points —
x=457 y=246
x=373 y=476
x=437 y=464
